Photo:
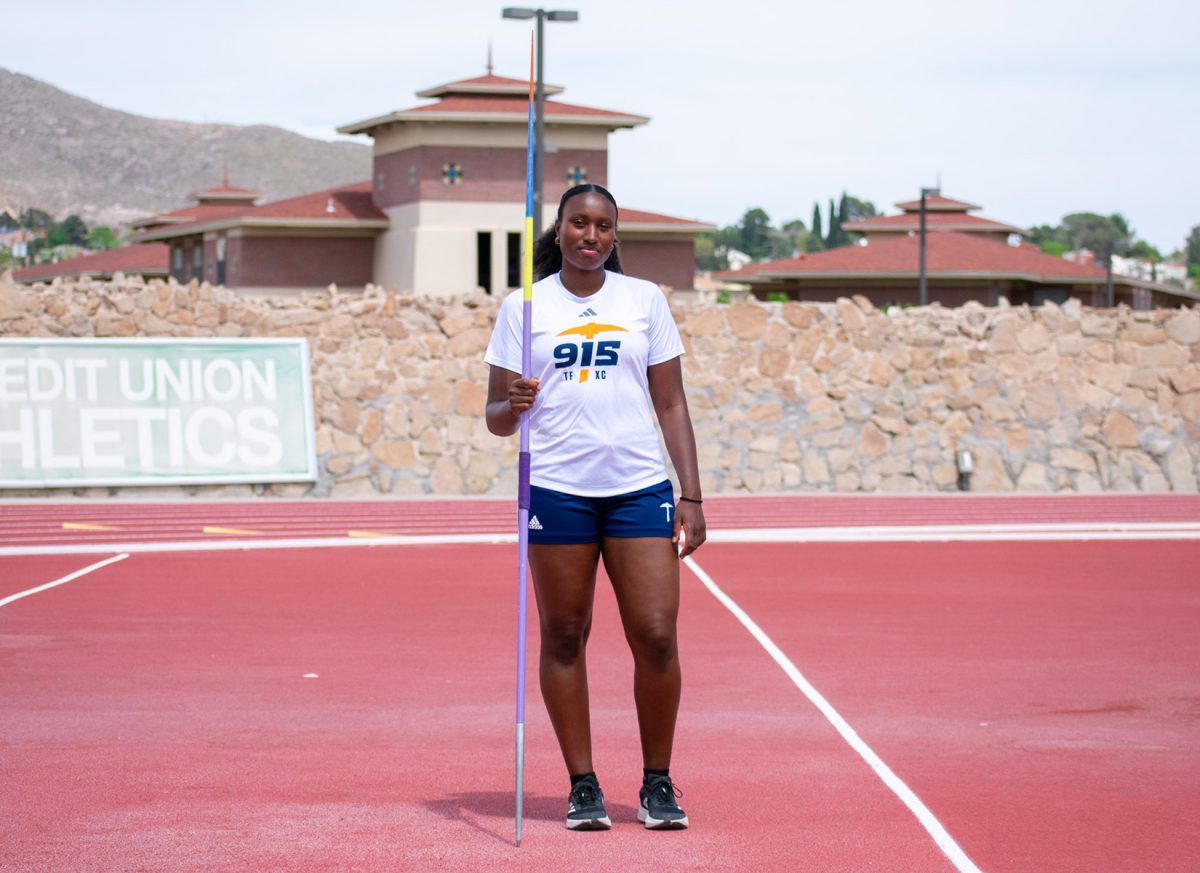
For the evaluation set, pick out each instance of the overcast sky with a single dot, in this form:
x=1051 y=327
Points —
x=1031 y=109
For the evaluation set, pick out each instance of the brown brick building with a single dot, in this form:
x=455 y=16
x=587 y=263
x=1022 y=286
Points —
x=442 y=214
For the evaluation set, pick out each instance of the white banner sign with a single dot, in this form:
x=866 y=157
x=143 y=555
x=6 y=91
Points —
x=77 y=412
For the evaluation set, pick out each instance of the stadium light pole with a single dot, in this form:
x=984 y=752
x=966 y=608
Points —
x=524 y=13
x=922 y=280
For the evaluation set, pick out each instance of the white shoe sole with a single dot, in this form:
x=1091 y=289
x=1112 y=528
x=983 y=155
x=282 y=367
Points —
x=655 y=824
x=589 y=824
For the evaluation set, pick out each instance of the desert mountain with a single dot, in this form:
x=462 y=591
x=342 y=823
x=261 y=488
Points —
x=65 y=154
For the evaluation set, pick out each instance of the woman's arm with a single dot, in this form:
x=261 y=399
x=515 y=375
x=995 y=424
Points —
x=508 y=396
x=670 y=405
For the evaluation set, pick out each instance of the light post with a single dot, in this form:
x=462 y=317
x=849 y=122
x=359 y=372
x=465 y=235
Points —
x=539 y=96
x=922 y=281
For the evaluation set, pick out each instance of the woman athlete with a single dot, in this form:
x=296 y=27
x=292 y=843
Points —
x=606 y=360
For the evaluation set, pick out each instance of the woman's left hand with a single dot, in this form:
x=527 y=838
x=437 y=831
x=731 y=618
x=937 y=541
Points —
x=689 y=518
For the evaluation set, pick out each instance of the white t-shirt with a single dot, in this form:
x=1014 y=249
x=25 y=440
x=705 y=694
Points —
x=591 y=429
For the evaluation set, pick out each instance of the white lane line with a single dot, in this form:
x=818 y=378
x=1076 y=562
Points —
x=849 y=534
x=342 y=542
x=927 y=819
x=64 y=580
x=914 y=533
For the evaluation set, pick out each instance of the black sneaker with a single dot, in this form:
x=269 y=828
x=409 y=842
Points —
x=658 y=809
x=586 y=807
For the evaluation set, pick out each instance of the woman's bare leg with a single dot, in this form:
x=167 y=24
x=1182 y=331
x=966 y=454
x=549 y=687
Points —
x=564 y=580
x=645 y=577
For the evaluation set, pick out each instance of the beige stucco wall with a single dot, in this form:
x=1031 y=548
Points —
x=431 y=246
x=785 y=397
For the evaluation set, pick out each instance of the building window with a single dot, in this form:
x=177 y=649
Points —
x=577 y=175
x=176 y=258
x=452 y=173
x=483 y=260
x=198 y=259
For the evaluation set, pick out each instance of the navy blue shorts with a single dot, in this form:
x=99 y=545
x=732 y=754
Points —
x=557 y=518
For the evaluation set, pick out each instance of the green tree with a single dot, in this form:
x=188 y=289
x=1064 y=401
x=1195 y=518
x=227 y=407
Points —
x=103 y=237
x=36 y=219
x=755 y=229
x=1101 y=234
x=832 y=231
x=789 y=239
x=841 y=236
x=1049 y=233
x=854 y=209
x=1142 y=249
x=1192 y=247
x=56 y=236
x=75 y=230
x=712 y=249
x=815 y=243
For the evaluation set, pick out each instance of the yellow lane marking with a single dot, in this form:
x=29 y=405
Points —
x=229 y=530
x=367 y=533
x=75 y=525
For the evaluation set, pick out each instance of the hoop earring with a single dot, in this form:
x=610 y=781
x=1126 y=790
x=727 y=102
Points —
x=556 y=242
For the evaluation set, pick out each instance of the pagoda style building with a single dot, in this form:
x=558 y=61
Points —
x=968 y=258
x=450 y=177
x=941 y=213
x=442 y=214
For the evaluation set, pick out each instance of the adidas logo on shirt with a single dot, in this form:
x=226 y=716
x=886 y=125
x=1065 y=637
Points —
x=534 y=524
x=588 y=313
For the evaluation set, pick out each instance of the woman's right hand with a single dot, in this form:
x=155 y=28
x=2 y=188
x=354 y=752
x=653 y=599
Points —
x=521 y=394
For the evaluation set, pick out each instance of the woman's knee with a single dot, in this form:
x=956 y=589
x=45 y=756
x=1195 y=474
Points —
x=565 y=641
x=654 y=643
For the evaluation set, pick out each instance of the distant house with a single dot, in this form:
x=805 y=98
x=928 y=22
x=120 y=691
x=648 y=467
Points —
x=967 y=258
x=442 y=214
x=11 y=238
x=1141 y=268
x=148 y=260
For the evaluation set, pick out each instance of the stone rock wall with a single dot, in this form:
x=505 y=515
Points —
x=784 y=396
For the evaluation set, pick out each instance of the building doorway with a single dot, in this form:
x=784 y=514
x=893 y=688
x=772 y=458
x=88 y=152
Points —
x=483 y=260
x=514 y=260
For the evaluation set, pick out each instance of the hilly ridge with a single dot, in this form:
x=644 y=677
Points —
x=66 y=154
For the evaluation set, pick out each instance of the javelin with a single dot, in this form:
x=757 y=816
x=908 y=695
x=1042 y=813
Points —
x=523 y=463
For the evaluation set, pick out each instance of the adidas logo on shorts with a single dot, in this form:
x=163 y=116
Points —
x=534 y=524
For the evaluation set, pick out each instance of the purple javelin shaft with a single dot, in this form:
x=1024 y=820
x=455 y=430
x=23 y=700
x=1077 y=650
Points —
x=523 y=468
x=523 y=464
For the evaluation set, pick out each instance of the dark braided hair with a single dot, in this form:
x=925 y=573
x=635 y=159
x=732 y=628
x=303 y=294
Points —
x=547 y=256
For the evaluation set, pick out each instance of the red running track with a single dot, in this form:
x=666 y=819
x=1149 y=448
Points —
x=1040 y=698
x=51 y=523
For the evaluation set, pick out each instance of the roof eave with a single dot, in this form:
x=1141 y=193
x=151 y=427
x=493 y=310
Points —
x=931 y=274
x=990 y=227
x=265 y=221
x=484 y=88
x=610 y=121
x=654 y=227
